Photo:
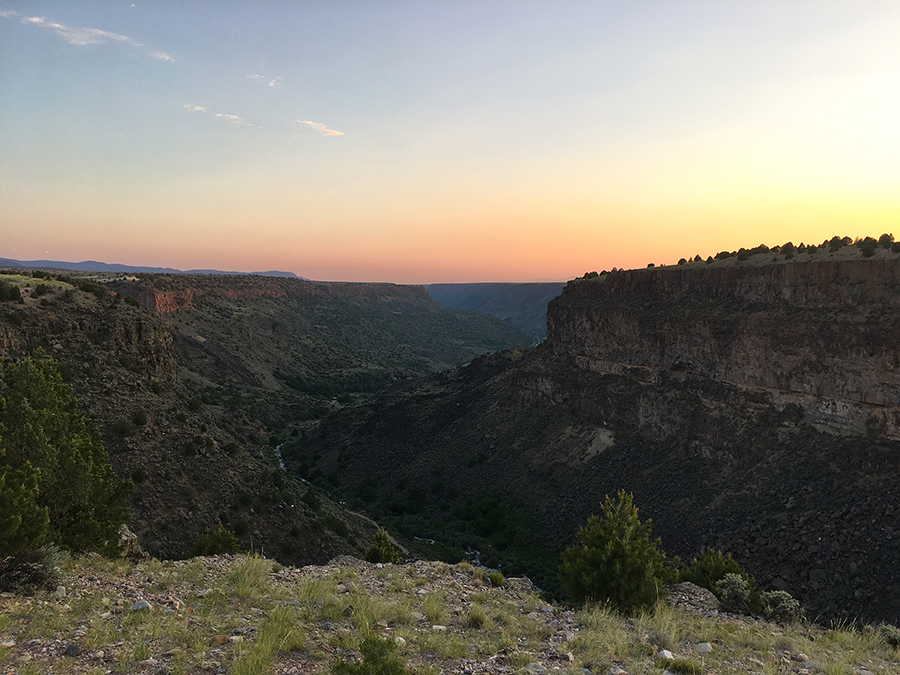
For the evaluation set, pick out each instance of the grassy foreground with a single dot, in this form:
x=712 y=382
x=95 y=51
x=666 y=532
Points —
x=247 y=615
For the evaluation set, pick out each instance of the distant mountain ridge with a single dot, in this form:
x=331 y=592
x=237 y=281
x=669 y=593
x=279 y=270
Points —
x=96 y=266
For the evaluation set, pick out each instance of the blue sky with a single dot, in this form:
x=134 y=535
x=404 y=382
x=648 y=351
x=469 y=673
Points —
x=442 y=141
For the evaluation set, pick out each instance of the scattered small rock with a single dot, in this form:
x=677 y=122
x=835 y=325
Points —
x=72 y=650
x=141 y=605
x=704 y=648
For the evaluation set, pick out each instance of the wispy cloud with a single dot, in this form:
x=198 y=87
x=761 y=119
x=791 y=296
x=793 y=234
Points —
x=82 y=36
x=231 y=118
x=162 y=56
x=321 y=128
x=274 y=82
x=234 y=119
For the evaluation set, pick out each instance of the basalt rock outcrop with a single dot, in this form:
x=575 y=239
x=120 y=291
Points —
x=753 y=408
x=822 y=335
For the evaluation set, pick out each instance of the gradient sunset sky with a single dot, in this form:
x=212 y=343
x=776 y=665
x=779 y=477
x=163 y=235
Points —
x=427 y=141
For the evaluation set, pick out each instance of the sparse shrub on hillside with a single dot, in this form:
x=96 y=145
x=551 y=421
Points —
x=616 y=560
x=139 y=418
x=30 y=571
x=139 y=475
x=213 y=542
x=39 y=290
x=382 y=550
x=92 y=287
x=733 y=592
x=708 y=567
x=886 y=240
x=335 y=524
x=311 y=498
x=781 y=606
x=496 y=579
x=379 y=657
x=9 y=292
x=890 y=635
x=124 y=427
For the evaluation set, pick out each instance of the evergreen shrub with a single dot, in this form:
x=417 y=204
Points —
x=382 y=550
x=213 y=542
x=616 y=561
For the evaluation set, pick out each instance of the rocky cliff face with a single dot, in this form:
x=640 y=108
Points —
x=169 y=294
x=754 y=409
x=821 y=335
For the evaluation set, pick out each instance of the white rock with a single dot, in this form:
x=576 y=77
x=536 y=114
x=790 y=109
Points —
x=704 y=648
x=666 y=654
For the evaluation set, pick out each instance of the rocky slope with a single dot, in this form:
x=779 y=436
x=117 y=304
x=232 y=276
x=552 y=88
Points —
x=190 y=471
x=748 y=407
x=246 y=615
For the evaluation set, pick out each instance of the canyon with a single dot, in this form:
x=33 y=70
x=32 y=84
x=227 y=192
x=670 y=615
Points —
x=748 y=407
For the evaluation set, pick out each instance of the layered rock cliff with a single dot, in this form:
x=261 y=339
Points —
x=822 y=335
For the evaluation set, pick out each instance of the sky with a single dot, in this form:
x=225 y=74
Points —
x=453 y=141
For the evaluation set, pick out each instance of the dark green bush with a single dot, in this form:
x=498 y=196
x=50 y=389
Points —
x=312 y=499
x=213 y=542
x=708 y=567
x=379 y=657
x=496 y=579
x=124 y=427
x=382 y=549
x=733 y=592
x=781 y=607
x=241 y=527
x=616 y=560
x=9 y=292
x=335 y=524
x=139 y=418
x=139 y=475
x=76 y=487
